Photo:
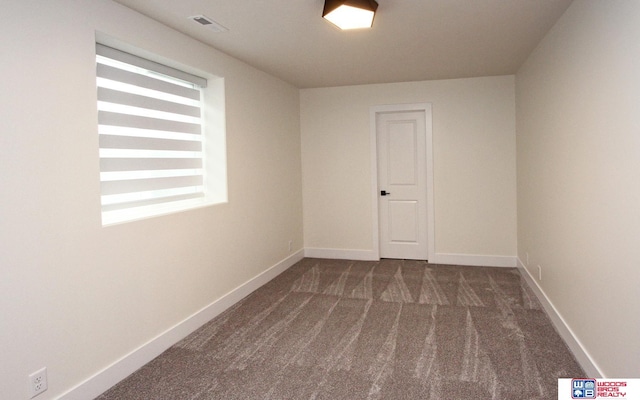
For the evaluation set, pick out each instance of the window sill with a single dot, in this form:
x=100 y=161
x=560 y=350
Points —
x=118 y=217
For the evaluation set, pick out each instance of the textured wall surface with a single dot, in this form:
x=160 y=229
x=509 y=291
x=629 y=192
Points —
x=578 y=139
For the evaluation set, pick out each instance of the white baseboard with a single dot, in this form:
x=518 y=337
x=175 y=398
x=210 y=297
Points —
x=103 y=380
x=341 y=254
x=582 y=356
x=438 y=258
x=473 y=260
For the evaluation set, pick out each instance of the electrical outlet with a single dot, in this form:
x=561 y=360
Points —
x=290 y=245
x=527 y=254
x=38 y=382
x=539 y=273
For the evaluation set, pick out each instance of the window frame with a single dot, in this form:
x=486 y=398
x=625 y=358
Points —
x=212 y=151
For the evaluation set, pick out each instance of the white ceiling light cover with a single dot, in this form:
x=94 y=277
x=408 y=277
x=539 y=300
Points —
x=347 y=17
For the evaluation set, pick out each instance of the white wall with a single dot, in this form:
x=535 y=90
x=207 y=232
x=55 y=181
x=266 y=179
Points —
x=474 y=163
x=578 y=140
x=74 y=296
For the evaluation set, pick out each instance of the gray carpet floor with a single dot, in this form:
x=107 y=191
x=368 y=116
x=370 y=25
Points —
x=394 y=329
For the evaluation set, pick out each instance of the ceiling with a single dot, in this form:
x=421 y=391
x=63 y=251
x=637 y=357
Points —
x=411 y=40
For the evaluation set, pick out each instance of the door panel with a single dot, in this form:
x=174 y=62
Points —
x=402 y=157
x=403 y=217
x=401 y=148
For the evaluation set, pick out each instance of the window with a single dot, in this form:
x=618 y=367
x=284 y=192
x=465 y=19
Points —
x=151 y=137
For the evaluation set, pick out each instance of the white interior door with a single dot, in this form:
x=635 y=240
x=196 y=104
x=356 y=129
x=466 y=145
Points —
x=402 y=184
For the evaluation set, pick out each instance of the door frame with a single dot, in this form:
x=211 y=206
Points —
x=393 y=108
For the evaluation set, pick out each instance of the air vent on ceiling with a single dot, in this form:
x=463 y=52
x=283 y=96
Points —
x=208 y=23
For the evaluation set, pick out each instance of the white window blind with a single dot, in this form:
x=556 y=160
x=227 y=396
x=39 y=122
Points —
x=150 y=135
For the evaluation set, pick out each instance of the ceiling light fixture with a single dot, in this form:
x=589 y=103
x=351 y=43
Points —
x=350 y=14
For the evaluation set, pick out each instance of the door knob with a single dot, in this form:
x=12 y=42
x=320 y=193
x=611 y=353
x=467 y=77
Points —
x=384 y=193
